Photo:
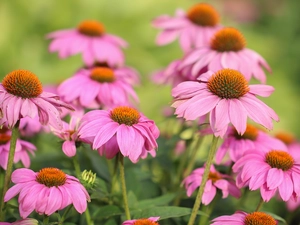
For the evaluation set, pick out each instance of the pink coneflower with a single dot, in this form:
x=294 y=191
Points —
x=21 y=95
x=270 y=171
x=194 y=27
x=30 y=126
x=293 y=204
x=122 y=129
x=27 y=221
x=90 y=39
x=291 y=142
x=149 y=221
x=243 y=218
x=46 y=191
x=227 y=50
x=22 y=149
x=97 y=87
x=253 y=138
x=228 y=98
x=215 y=181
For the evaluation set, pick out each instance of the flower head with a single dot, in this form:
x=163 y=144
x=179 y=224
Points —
x=21 y=95
x=149 y=221
x=291 y=142
x=194 y=27
x=122 y=129
x=27 y=221
x=227 y=49
x=91 y=40
x=228 y=98
x=215 y=181
x=46 y=191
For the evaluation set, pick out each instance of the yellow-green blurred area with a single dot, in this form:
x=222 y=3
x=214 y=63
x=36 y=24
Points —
x=271 y=28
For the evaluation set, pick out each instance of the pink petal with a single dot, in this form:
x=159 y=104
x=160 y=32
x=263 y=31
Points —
x=104 y=134
x=274 y=178
x=238 y=115
x=23 y=175
x=55 y=201
x=69 y=148
x=166 y=37
x=261 y=90
x=286 y=187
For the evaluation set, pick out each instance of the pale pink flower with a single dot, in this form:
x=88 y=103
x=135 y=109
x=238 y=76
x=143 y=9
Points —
x=228 y=97
x=21 y=95
x=269 y=171
x=291 y=142
x=27 y=221
x=91 y=40
x=149 y=221
x=253 y=138
x=227 y=50
x=122 y=129
x=97 y=87
x=243 y=218
x=46 y=191
x=194 y=28
x=215 y=181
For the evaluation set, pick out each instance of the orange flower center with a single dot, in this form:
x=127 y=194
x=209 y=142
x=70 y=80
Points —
x=203 y=14
x=125 y=115
x=259 y=218
x=280 y=160
x=22 y=83
x=250 y=133
x=51 y=177
x=102 y=75
x=145 y=222
x=4 y=138
x=91 y=28
x=214 y=176
x=228 y=83
x=285 y=137
x=228 y=39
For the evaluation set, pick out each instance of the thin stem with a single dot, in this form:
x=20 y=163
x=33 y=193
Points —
x=88 y=217
x=261 y=202
x=46 y=220
x=123 y=184
x=210 y=158
x=208 y=210
x=10 y=163
x=114 y=177
x=62 y=219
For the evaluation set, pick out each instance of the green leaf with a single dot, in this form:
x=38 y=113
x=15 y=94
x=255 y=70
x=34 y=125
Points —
x=162 y=200
x=111 y=222
x=107 y=211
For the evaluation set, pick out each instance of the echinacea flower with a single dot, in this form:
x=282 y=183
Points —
x=91 y=40
x=227 y=50
x=27 y=221
x=243 y=218
x=21 y=152
x=22 y=95
x=291 y=142
x=122 y=129
x=215 y=181
x=149 y=221
x=269 y=171
x=46 y=191
x=228 y=97
x=97 y=87
x=194 y=28
x=253 y=138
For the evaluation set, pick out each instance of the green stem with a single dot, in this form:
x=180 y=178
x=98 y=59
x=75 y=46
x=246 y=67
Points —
x=114 y=177
x=10 y=163
x=62 y=219
x=261 y=202
x=46 y=220
x=123 y=184
x=208 y=210
x=210 y=158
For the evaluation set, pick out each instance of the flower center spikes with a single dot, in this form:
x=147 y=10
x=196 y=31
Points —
x=286 y=138
x=228 y=39
x=145 y=222
x=250 y=133
x=51 y=177
x=22 y=83
x=280 y=160
x=228 y=83
x=125 y=115
x=102 y=75
x=259 y=218
x=214 y=176
x=91 y=28
x=203 y=15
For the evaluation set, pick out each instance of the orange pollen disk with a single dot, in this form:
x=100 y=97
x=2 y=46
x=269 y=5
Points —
x=214 y=176
x=285 y=137
x=228 y=84
x=280 y=160
x=91 y=28
x=51 y=177
x=125 y=115
x=145 y=222
x=250 y=133
x=22 y=83
x=102 y=75
x=203 y=14
x=228 y=39
x=4 y=138
x=259 y=218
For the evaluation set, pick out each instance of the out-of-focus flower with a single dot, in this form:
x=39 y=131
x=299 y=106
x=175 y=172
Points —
x=91 y=40
x=27 y=221
x=46 y=191
x=30 y=126
x=215 y=181
x=227 y=50
x=122 y=129
x=228 y=98
x=149 y=221
x=291 y=142
x=194 y=28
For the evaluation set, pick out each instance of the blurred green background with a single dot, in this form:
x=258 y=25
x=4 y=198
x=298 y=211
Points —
x=271 y=28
